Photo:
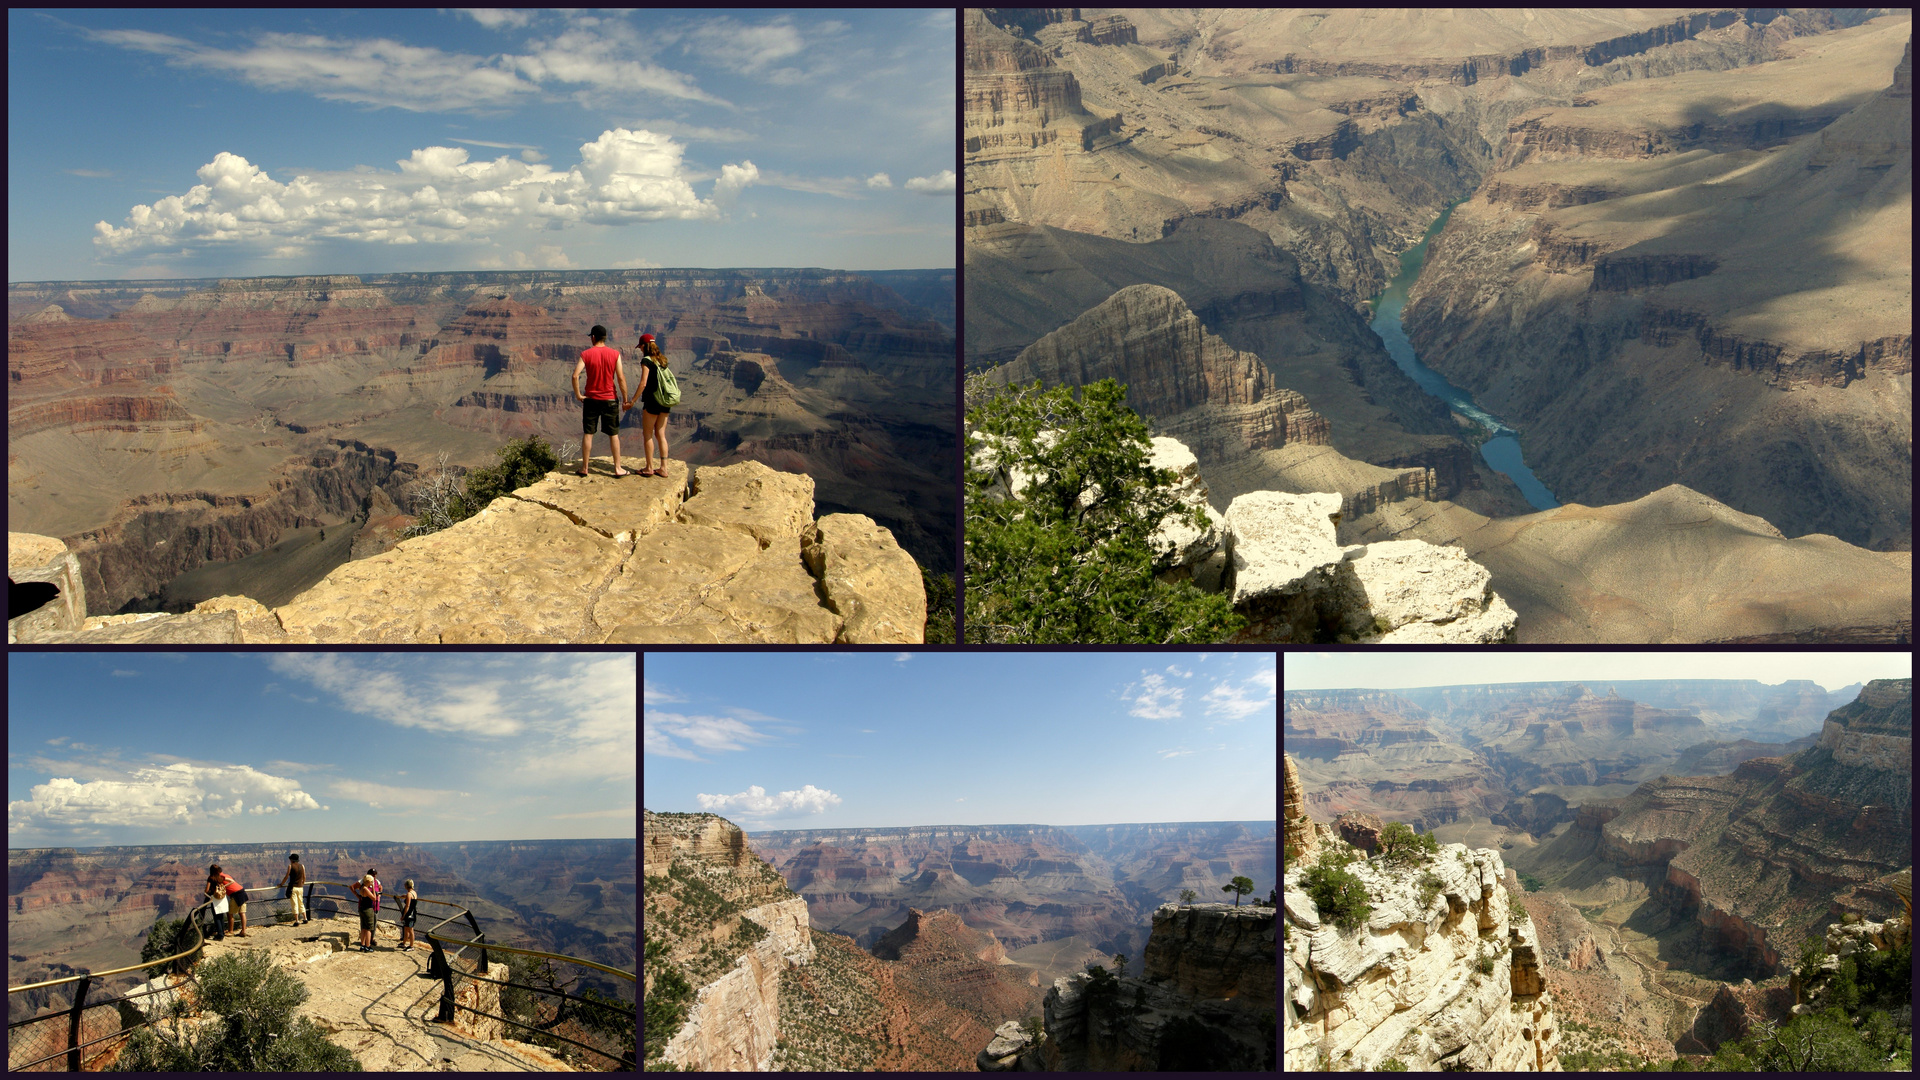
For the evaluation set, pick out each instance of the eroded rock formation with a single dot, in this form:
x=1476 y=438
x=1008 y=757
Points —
x=1443 y=978
x=733 y=555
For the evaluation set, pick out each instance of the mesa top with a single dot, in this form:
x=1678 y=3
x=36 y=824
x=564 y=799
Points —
x=600 y=361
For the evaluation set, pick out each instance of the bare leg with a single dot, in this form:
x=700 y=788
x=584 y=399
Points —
x=660 y=434
x=586 y=449
x=617 y=470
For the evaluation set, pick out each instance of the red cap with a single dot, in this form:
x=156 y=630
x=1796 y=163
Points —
x=646 y=337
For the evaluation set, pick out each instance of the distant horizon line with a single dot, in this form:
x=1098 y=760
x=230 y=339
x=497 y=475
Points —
x=1000 y=825
x=311 y=843
x=388 y=273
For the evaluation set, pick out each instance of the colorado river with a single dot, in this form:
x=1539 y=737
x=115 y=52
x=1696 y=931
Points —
x=1502 y=451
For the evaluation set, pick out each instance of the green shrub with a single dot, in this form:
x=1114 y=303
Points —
x=1529 y=882
x=167 y=937
x=1483 y=961
x=667 y=1004
x=939 y=607
x=1401 y=846
x=257 y=1031
x=1392 y=1065
x=1517 y=913
x=437 y=505
x=1340 y=896
x=1430 y=884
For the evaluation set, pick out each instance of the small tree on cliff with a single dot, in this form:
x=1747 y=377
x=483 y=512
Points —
x=438 y=505
x=1239 y=887
x=1068 y=559
x=1188 y=896
x=1401 y=846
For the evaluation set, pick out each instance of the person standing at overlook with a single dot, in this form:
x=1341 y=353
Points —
x=368 y=890
x=408 y=900
x=653 y=410
x=600 y=404
x=295 y=879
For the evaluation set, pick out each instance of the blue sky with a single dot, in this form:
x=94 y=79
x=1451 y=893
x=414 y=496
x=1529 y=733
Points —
x=188 y=748
x=872 y=740
x=1343 y=671
x=195 y=143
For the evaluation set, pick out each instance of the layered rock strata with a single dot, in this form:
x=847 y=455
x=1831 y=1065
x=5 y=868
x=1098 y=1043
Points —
x=734 y=555
x=1445 y=978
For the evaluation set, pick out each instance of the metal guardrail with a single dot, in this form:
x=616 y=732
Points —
x=439 y=967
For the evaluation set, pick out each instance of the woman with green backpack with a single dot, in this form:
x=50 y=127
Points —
x=659 y=393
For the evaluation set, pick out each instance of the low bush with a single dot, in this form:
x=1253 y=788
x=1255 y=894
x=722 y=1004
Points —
x=1401 y=846
x=1340 y=896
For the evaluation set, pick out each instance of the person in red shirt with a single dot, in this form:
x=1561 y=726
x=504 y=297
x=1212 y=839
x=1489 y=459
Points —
x=600 y=404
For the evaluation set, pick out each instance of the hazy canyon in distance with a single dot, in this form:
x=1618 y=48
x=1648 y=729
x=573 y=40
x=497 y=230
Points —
x=1674 y=841
x=1052 y=896
x=1677 y=270
x=158 y=426
x=91 y=908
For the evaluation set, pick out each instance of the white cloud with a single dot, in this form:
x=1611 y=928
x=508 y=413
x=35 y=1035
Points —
x=706 y=732
x=496 y=18
x=1157 y=699
x=867 y=731
x=438 y=196
x=636 y=264
x=531 y=156
x=943 y=184
x=755 y=802
x=91 y=174
x=1237 y=701
x=901 y=658
x=657 y=694
x=879 y=180
x=177 y=794
x=465 y=706
x=264 y=810
x=728 y=42
x=1174 y=669
x=379 y=796
x=961 y=799
x=385 y=73
x=57 y=742
x=1165 y=754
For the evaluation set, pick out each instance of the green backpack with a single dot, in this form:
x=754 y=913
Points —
x=668 y=392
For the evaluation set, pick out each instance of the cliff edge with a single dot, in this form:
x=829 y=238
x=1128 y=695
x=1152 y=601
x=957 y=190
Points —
x=728 y=555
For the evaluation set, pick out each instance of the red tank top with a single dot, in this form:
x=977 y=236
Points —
x=600 y=361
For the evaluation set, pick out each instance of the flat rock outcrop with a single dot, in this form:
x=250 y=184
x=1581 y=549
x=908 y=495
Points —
x=1407 y=983
x=732 y=555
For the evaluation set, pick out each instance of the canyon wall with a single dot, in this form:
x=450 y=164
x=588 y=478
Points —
x=1448 y=978
x=732 y=1026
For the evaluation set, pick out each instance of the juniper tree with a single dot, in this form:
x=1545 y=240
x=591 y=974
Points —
x=1068 y=557
x=1240 y=887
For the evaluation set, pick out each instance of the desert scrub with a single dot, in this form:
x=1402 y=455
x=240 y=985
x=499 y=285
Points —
x=1401 y=846
x=1517 y=913
x=1483 y=962
x=1430 y=884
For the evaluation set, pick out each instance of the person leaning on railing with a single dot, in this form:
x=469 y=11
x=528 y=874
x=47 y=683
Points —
x=295 y=879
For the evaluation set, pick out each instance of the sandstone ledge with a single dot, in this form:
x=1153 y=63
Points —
x=725 y=555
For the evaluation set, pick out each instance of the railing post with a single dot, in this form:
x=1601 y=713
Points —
x=73 y=1022
x=479 y=937
x=439 y=966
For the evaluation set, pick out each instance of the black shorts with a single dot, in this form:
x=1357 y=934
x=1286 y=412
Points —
x=654 y=408
x=605 y=414
x=237 y=899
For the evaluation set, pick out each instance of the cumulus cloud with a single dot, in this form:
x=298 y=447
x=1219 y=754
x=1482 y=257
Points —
x=438 y=196
x=1153 y=698
x=177 y=794
x=943 y=184
x=879 y=180
x=755 y=802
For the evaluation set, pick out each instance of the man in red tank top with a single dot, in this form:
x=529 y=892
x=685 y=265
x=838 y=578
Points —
x=600 y=405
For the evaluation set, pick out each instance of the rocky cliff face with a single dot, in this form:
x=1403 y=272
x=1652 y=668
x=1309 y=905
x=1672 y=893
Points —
x=1448 y=978
x=703 y=883
x=733 y=555
x=1204 y=1002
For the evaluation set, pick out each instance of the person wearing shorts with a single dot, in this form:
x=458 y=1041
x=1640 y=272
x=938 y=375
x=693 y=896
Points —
x=295 y=879
x=368 y=890
x=236 y=897
x=600 y=403
x=653 y=414
x=408 y=900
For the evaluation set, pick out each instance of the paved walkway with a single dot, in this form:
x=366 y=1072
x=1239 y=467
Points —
x=378 y=1005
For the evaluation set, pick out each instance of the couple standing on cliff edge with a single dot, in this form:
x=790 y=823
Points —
x=601 y=403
